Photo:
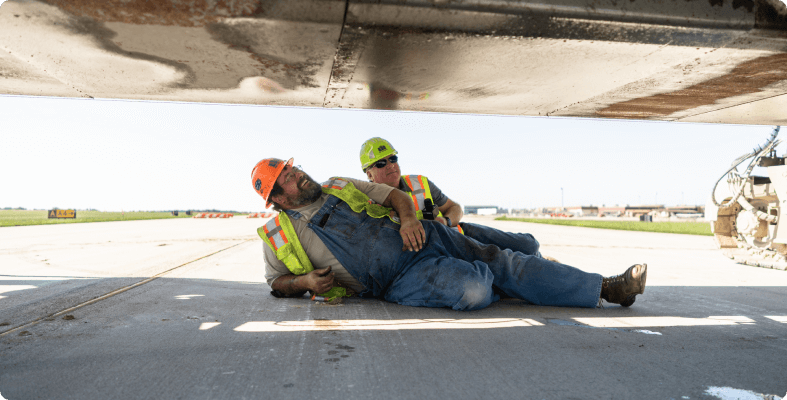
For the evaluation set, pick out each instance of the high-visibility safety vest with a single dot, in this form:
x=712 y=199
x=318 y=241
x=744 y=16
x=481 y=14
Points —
x=280 y=235
x=419 y=191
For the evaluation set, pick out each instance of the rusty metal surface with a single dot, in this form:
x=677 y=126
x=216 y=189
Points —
x=189 y=13
x=746 y=78
x=676 y=60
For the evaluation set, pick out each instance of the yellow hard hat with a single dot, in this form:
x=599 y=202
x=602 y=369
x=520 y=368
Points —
x=374 y=150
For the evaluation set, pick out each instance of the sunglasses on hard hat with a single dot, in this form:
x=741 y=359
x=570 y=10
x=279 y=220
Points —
x=382 y=163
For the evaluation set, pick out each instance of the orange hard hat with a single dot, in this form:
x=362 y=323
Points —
x=264 y=175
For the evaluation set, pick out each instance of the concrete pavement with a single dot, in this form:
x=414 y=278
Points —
x=206 y=327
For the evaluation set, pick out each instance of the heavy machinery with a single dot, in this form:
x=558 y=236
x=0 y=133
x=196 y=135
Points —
x=747 y=212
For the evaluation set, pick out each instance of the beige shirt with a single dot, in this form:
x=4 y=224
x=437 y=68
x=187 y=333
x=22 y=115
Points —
x=318 y=253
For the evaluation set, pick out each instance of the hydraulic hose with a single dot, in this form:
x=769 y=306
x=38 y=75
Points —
x=760 y=215
x=757 y=153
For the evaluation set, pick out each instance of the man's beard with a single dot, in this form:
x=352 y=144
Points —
x=309 y=194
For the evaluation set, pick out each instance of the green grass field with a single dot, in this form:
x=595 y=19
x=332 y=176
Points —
x=39 y=217
x=686 y=228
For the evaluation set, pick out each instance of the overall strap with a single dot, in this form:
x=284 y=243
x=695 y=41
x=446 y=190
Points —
x=356 y=199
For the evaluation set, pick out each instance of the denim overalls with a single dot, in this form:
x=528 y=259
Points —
x=521 y=242
x=451 y=270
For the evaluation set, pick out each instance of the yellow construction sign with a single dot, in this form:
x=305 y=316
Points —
x=62 y=213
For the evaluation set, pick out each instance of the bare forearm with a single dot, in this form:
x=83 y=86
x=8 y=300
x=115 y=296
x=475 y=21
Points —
x=316 y=281
x=453 y=211
x=290 y=284
x=401 y=202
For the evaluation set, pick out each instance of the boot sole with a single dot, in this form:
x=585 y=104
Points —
x=643 y=277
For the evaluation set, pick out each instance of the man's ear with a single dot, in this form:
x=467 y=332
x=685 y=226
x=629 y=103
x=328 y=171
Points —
x=369 y=175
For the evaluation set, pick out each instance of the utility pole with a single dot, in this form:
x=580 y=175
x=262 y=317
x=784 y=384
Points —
x=561 y=199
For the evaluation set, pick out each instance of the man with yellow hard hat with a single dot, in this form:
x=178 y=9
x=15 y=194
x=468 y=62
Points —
x=380 y=162
x=343 y=235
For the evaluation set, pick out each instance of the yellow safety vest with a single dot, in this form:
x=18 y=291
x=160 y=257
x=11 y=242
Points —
x=280 y=235
x=419 y=191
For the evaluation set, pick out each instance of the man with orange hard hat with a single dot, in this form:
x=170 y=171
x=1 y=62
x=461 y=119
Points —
x=343 y=236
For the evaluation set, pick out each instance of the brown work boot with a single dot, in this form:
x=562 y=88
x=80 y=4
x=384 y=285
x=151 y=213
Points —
x=624 y=288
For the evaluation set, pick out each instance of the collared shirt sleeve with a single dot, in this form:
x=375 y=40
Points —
x=376 y=191
x=437 y=195
x=274 y=268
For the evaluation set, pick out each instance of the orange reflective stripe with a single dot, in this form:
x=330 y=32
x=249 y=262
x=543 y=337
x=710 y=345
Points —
x=275 y=233
x=415 y=199
x=335 y=183
x=268 y=235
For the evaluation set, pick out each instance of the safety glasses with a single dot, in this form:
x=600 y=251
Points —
x=291 y=170
x=382 y=163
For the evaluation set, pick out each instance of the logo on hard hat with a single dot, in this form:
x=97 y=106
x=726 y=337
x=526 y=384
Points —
x=273 y=163
x=258 y=185
x=381 y=148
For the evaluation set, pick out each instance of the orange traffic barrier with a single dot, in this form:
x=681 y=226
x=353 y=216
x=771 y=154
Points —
x=214 y=215
x=260 y=215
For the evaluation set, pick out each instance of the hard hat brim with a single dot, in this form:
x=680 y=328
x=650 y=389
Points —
x=269 y=202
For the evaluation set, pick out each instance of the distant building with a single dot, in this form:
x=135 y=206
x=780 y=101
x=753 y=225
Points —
x=583 y=211
x=485 y=210
x=636 y=211
x=611 y=211
x=685 y=211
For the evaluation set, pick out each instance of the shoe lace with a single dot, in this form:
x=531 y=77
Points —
x=613 y=280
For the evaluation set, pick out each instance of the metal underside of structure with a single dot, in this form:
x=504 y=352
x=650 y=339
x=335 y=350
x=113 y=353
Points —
x=717 y=61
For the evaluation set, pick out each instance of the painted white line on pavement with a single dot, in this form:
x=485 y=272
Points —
x=114 y=292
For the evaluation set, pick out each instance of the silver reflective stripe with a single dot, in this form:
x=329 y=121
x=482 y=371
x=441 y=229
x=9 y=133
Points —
x=278 y=240
x=273 y=233
x=420 y=198
x=416 y=183
x=271 y=225
x=418 y=191
x=340 y=183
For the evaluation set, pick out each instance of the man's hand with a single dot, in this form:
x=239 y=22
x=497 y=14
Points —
x=413 y=234
x=442 y=221
x=319 y=280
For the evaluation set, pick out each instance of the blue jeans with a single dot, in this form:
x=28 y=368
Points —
x=452 y=270
x=521 y=242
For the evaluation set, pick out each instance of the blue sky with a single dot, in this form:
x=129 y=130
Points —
x=134 y=155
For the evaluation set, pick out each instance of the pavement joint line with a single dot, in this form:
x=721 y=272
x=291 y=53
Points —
x=114 y=292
